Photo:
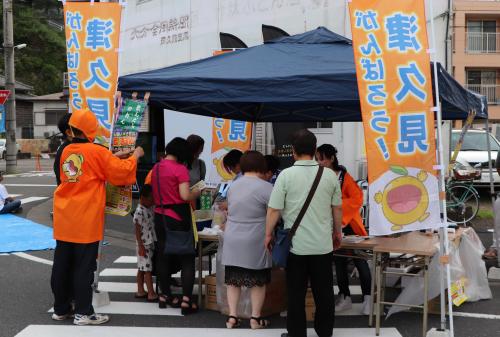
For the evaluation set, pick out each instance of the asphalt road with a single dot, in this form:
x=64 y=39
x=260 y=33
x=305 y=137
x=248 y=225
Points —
x=26 y=295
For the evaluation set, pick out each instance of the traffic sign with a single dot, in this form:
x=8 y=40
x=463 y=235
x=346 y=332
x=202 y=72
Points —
x=4 y=94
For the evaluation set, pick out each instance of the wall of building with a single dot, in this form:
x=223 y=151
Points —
x=462 y=61
x=24 y=117
x=40 y=126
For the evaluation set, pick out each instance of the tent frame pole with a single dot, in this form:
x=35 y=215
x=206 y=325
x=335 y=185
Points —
x=443 y=231
x=496 y=232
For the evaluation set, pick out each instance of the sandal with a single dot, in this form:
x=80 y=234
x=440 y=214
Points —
x=191 y=308
x=490 y=254
x=235 y=325
x=173 y=302
x=261 y=323
x=145 y=295
x=153 y=300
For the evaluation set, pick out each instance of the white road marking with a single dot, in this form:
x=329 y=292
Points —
x=25 y=201
x=126 y=259
x=15 y=195
x=136 y=308
x=118 y=272
x=31 y=174
x=475 y=315
x=355 y=290
x=33 y=258
x=133 y=272
x=126 y=287
x=112 y=331
x=30 y=185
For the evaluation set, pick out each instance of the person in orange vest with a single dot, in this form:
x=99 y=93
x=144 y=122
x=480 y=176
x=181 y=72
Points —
x=79 y=203
x=352 y=201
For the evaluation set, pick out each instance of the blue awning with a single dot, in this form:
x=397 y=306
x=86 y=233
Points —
x=306 y=77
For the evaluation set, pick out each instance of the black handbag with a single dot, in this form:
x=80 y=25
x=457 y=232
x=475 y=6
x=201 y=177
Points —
x=283 y=241
x=177 y=242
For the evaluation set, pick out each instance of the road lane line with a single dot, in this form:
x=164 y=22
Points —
x=33 y=258
x=25 y=201
x=475 y=315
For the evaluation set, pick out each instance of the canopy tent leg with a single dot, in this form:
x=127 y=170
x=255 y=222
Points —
x=496 y=232
x=443 y=232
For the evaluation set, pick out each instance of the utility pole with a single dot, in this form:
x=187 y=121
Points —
x=10 y=84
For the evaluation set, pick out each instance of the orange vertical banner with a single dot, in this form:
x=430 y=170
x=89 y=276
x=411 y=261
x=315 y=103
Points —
x=395 y=87
x=92 y=42
x=228 y=134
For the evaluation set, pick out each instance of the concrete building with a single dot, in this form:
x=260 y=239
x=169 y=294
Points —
x=47 y=110
x=476 y=48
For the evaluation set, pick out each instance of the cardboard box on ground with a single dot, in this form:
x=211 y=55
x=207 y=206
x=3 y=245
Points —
x=275 y=294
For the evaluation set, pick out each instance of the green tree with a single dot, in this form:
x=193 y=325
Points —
x=42 y=63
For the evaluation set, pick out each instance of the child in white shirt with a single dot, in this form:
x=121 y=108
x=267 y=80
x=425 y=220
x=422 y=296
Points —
x=8 y=204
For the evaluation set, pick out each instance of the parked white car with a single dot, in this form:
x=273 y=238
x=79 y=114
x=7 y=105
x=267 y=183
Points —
x=3 y=148
x=473 y=156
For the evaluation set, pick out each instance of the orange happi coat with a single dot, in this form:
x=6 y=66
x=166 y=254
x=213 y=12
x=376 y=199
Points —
x=79 y=201
x=352 y=200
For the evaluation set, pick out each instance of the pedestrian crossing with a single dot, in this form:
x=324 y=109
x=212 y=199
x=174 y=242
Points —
x=119 y=281
x=112 y=331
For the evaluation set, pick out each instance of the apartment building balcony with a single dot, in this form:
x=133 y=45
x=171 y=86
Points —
x=482 y=43
x=491 y=91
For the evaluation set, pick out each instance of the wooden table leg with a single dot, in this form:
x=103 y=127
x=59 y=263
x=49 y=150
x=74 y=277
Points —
x=426 y=295
x=372 y=290
x=378 y=273
x=200 y=273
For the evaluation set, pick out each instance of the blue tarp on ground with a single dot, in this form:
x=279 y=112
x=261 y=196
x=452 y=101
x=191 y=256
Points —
x=19 y=235
x=301 y=78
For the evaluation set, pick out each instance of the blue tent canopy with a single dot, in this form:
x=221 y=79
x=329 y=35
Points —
x=306 y=77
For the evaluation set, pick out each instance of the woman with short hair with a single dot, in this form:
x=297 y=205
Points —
x=247 y=263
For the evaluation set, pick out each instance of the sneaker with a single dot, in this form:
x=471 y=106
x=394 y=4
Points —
x=94 y=319
x=57 y=317
x=365 y=309
x=343 y=303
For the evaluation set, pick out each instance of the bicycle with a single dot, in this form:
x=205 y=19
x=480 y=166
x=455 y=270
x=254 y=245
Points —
x=462 y=201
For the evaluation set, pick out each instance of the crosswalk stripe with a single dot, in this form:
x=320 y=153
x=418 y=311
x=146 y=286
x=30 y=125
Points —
x=112 y=331
x=136 y=308
x=118 y=272
x=126 y=259
x=130 y=288
x=133 y=272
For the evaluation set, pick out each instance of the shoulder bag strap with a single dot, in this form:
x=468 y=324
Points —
x=157 y=169
x=306 y=203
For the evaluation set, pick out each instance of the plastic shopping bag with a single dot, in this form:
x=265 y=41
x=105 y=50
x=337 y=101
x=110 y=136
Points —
x=245 y=306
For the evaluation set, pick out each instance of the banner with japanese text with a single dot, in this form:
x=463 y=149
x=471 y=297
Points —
x=92 y=42
x=227 y=134
x=123 y=138
x=393 y=71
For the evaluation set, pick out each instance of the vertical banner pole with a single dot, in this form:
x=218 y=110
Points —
x=443 y=232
